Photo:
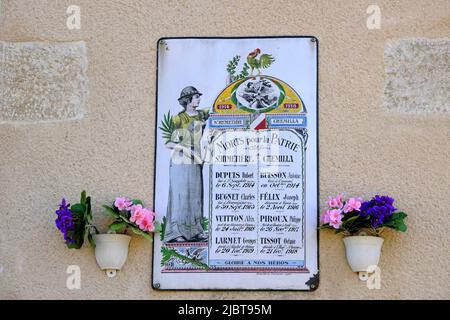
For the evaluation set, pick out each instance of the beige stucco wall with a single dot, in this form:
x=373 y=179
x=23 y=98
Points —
x=365 y=147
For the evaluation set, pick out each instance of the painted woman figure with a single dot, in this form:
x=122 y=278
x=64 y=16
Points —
x=185 y=204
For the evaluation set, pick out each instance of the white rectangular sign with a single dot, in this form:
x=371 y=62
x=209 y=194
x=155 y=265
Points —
x=236 y=187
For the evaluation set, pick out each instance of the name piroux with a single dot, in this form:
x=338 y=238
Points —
x=240 y=218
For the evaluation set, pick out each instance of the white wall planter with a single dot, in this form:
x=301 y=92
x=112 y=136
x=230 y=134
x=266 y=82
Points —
x=111 y=251
x=363 y=252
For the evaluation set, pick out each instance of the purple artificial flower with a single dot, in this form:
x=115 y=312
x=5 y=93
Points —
x=64 y=222
x=378 y=209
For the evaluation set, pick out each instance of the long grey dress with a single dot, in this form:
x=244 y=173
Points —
x=185 y=204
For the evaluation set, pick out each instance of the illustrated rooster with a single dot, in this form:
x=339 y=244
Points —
x=264 y=61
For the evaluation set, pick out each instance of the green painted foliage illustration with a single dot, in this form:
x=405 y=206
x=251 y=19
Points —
x=167 y=127
x=231 y=69
x=168 y=253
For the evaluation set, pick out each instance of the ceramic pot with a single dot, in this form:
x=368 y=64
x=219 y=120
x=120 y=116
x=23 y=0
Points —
x=111 y=251
x=363 y=251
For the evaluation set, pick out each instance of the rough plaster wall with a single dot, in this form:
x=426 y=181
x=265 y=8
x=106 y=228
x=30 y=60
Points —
x=365 y=148
x=42 y=81
x=418 y=75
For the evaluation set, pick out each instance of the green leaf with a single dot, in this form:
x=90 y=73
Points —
x=111 y=211
x=78 y=209
x=163 y=228
x=402 y=227
x=205 y=223
x=141 y=233
x=77 y=235
x=167 y=127
x=158 y=226
x=352 y=219
x=117 y=225
x=91 y=240
x=83 y=197
x=349 y=221
x=244 y=73
x=324 y=226
x=399 y=215
x=137 y=201
x=74 y=245
x=124 y=218
x=396 y=221
x=88 y=210
x=231 y=66
x=125 y=214
x=166 y=255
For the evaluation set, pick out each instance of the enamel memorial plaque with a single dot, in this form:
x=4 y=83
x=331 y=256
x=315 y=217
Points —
x=236 y=189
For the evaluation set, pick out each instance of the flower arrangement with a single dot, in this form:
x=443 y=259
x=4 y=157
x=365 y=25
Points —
x=111 y=249
x=131 y=214
x=353 y=215
x=75 y=221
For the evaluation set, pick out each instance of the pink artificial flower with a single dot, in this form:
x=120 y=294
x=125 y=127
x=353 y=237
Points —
x=334 y=214
x=123 y=203
x=325 y=218
x=137 y=213
x=148 y=213
x=335 y=202
x=337 y=222
x=335 y=217
x=352 y=204
x=146 y=224
x=143 y=217
x=340 y=200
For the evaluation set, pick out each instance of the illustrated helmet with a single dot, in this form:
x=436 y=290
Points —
x=188 y=92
